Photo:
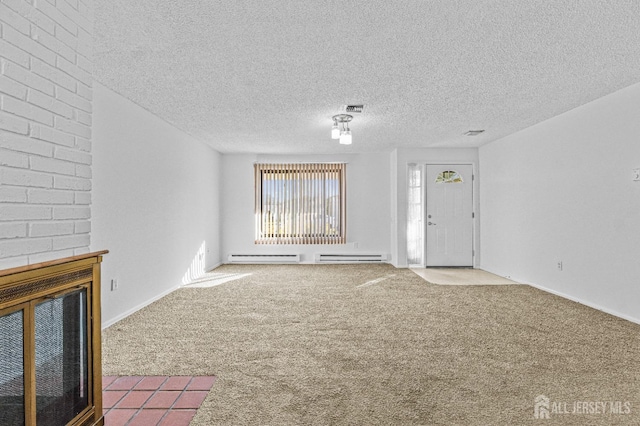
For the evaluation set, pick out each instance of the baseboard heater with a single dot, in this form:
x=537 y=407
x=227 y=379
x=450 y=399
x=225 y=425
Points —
x=264 y=258
x=351 y=258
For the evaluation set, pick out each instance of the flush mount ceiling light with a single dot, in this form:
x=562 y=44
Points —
x=344 y=133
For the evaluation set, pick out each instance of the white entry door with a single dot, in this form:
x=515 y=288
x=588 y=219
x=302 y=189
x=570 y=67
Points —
x=449 y=215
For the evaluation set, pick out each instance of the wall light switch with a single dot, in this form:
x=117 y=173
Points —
x=636 y=174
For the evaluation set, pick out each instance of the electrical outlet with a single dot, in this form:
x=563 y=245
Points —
x=114 y=285
x=560 y=265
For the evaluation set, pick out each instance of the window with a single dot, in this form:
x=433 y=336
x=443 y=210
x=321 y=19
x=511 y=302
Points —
x=415 y=232
x=450 y=176
x=300 y=203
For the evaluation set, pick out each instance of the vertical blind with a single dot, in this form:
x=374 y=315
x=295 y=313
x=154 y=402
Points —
x=300 y=203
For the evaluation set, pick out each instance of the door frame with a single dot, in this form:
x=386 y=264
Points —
x=474 y=206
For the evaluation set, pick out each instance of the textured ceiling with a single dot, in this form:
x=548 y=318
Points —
x=266 y=76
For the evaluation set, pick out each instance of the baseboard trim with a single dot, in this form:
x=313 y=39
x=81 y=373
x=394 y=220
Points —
x=150 y=301
x=589 y=304
x=211 y=268
x=135 y=309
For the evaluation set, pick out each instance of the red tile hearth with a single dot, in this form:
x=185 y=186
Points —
x=153 y=400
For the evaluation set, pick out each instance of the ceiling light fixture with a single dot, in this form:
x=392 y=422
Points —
x=343 y=134
x=335 y=130
x=473 y=132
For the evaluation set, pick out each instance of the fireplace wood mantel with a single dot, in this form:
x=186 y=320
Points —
x=41 y=265
x=50 y=367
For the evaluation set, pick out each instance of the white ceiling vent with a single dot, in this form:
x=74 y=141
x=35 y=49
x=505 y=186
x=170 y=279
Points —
x=350 y=109
x=473 y=132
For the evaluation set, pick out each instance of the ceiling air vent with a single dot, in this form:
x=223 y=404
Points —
x=353 y=108
x=473 y=132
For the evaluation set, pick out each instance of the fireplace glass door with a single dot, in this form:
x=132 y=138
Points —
x=56 y=327
x=11 y=369
x=62 y=382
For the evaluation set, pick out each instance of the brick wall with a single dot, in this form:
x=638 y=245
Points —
x=45 y=129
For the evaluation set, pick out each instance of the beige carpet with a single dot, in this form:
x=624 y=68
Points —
x=374 y=345
x=460 y=276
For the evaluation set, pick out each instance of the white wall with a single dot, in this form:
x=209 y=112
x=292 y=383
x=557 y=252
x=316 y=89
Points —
x=45 y=130
x=400 y=158
x=562 y=191
x=368 y=201
x=155 y=202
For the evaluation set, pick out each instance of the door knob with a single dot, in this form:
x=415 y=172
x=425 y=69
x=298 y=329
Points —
x=430 y=223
